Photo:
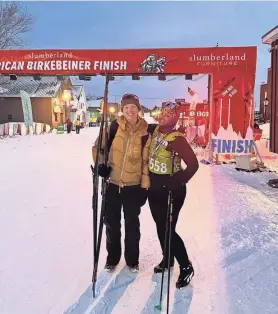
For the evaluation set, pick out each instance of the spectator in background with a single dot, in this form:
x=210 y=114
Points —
x=77 y=125
x=69 y=125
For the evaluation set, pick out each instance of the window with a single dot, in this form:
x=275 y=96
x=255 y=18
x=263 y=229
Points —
x=56 y=117
x=10 y=117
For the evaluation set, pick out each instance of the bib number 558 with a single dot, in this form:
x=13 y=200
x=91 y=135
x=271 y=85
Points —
x=158 y=166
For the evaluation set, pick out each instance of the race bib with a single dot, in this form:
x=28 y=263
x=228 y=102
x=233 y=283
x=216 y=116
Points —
x=158 y=167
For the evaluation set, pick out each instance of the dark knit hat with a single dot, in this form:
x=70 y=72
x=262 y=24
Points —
x=130 y=99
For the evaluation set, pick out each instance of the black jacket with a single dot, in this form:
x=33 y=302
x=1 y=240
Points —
x=182 y=148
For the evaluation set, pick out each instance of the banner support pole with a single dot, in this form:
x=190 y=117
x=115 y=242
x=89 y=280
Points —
x=210 y=152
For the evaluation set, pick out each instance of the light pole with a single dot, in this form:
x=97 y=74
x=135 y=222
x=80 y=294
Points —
x=266 y=103
x=66 y=97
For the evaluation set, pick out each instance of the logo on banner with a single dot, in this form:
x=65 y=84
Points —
x=153 y=64
x=217 y=60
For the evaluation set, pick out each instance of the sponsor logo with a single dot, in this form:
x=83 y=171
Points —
x=216 y=59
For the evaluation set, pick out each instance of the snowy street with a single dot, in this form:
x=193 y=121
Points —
x=229 y=224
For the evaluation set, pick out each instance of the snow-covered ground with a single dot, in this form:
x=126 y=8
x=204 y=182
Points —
x=270 y=159
x=266 y=130
x=229 y=223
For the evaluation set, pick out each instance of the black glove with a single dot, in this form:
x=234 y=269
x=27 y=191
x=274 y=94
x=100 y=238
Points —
x=177 y=180
x=143 y=197
x=104 y=170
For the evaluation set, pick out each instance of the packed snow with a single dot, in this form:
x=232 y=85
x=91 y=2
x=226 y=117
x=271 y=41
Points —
x=229 y=224
x=266 y=130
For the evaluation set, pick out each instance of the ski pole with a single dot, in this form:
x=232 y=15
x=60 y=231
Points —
x=97 y=236
x=100 y=230
x=169 y=247
x=95 y=187
x=167 y=235
x=95 y=204
x=96 y=181
x=159 y=307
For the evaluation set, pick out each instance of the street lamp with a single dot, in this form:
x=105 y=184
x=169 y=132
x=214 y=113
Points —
x=112 y=110
x=266 y=103
x=66 y=96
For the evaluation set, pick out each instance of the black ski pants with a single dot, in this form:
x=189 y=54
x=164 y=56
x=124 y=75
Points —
x=129 y=198
x=158 y=201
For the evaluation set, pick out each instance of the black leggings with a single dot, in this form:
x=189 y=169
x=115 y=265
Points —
x=158 y=201
x=128 y=198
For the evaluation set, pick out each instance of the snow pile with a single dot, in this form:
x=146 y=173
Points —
x=266 y=130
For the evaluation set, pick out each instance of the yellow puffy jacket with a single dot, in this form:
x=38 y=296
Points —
x=129 y=161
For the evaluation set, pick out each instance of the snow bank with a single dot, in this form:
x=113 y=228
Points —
x=266 y=130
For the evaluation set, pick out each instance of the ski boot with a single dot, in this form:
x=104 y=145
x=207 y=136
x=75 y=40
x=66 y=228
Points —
x=186 y=274
x=109 y=268
x=158 y=269
x=273 y=183
x=133 y=268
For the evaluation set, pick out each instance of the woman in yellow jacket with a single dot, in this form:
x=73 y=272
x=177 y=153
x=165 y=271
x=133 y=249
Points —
x=128 y=171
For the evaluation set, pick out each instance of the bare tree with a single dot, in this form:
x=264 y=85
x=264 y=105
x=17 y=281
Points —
x=15 y=21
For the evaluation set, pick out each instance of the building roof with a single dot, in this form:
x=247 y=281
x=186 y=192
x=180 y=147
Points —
x=76 y=90
x=94 y=103
x=270 y=36
x=48 y=86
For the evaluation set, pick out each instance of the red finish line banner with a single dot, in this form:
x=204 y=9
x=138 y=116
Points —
x=128 y=61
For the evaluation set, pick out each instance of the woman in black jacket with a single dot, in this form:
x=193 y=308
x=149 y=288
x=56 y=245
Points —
x=168 y=148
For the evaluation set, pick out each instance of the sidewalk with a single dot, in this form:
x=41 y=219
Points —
x=270 y=159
